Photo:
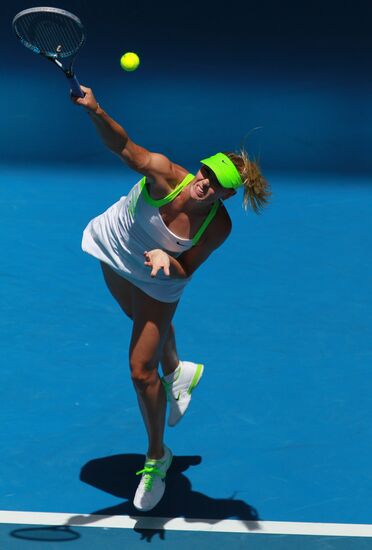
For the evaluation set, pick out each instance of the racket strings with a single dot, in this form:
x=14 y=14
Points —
x=50 y=33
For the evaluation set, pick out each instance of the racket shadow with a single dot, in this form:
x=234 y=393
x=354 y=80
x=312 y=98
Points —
x=58 y=533
x=116 y=475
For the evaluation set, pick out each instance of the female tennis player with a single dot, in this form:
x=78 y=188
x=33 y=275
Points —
x=149 y=244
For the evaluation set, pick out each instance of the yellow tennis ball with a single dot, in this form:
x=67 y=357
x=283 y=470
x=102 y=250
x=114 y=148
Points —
x=129 y=61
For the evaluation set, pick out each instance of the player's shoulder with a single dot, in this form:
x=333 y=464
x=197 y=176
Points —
x=167 y=179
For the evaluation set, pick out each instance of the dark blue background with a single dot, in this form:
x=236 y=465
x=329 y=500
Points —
x=210 y=73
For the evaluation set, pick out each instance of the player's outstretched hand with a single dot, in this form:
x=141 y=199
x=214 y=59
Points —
x=157 y=259
x=88 y=101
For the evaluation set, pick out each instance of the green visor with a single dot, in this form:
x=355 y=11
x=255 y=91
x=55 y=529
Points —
x=225 y=170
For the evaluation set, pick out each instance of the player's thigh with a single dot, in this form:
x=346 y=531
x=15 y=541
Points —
x=120 y=288
x=151 y=322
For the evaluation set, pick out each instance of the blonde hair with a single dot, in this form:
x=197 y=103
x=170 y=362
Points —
x=256 y=189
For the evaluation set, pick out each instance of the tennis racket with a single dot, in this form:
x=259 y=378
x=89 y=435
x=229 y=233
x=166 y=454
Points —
x=55 y=34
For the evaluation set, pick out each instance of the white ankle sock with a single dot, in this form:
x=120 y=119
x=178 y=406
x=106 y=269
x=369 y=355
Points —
x=169 y=378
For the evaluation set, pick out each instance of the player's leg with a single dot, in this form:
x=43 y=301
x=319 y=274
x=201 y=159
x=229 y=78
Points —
x=121 y=289
x=151 y=322
x=169 y=358
x=180 y=379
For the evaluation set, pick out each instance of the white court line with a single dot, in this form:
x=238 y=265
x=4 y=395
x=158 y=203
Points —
x=181 y=524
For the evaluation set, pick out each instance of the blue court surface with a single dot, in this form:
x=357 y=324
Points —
x=275 y=451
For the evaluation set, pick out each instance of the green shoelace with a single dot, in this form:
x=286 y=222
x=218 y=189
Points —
x=150 y=471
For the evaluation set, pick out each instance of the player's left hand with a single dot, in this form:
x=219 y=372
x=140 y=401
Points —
x=157 y=259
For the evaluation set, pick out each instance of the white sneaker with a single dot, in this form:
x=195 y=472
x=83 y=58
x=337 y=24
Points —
x=179 y=391
x=152 y=486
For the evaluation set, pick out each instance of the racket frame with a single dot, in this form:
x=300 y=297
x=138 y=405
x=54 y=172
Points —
x=55 y=57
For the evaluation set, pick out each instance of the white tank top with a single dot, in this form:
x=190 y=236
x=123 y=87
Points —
x=132 y=225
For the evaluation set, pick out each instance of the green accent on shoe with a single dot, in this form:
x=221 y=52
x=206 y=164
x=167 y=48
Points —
x=196 y=378
x=150 y=471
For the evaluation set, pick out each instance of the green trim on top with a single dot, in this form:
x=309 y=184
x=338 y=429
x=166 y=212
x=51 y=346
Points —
x=206 y=222
x=172 y=195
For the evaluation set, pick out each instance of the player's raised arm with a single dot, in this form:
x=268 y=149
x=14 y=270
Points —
x=113 y=135
x=117 y=140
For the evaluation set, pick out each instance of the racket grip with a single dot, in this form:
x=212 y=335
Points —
x=75 y=87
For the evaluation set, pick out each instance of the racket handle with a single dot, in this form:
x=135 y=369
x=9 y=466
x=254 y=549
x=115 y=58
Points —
x=75 y=87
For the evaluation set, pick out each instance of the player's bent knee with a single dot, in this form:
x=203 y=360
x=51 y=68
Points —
x=143 y=373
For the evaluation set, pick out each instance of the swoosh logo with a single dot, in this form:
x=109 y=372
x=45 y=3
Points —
x=182 y=244
x=178 y=397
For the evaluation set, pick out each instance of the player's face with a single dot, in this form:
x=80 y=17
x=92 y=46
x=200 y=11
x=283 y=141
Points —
x=206 y=187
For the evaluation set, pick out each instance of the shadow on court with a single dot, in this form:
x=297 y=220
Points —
x=116 y=475
x=58 y=533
